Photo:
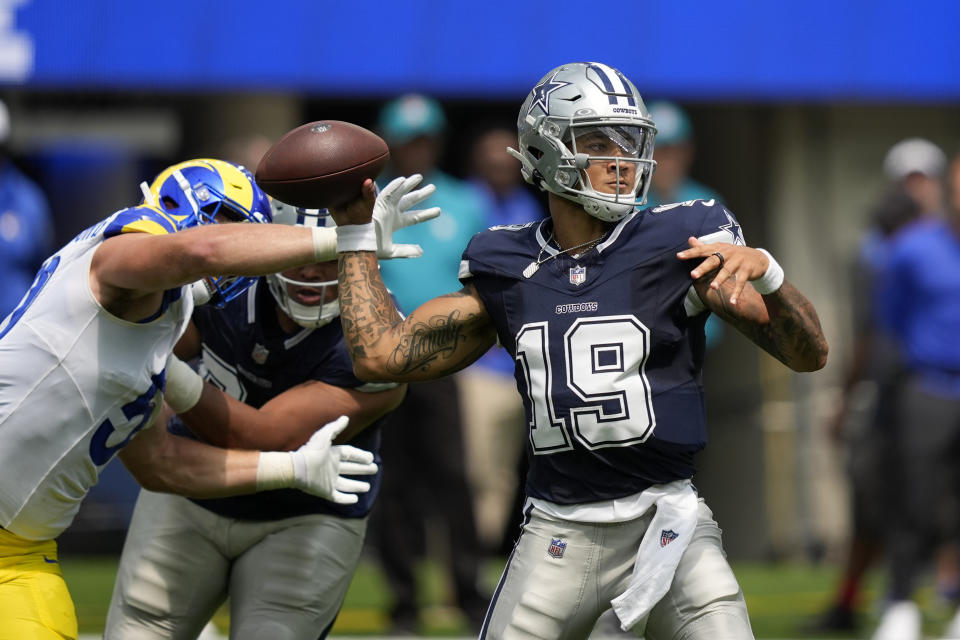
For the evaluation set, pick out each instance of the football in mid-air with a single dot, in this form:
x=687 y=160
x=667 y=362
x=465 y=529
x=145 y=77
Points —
x=321 y=164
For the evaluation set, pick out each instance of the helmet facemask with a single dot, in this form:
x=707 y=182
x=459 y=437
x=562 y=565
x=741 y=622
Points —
x=309 y=316
x=619 y=149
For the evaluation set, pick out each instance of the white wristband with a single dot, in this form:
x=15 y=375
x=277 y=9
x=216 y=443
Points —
x=275 y=470
x=184 y=385
x=324 y=244
x=772 y=278
x=357 y=237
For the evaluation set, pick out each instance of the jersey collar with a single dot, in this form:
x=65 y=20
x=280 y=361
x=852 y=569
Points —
x=544 y=233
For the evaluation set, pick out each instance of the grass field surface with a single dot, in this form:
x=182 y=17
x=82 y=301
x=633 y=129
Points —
x=780 y=597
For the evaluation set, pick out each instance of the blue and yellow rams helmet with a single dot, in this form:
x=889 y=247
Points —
x=210 y=191
x=195 y=191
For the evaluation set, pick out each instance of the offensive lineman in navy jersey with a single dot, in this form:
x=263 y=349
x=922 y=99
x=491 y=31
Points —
x=602 y=307
x=284 y=558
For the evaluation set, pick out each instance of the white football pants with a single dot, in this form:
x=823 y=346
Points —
x=286 y=579
x=542 y=596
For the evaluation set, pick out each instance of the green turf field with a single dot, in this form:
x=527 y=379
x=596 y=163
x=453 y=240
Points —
x=780 y=598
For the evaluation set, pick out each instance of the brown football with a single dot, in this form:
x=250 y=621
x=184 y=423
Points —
x=321 y=164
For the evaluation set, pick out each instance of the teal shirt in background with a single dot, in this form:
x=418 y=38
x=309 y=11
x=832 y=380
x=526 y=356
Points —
x=417 y=280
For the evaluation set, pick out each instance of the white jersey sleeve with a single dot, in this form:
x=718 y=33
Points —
x=76 y=383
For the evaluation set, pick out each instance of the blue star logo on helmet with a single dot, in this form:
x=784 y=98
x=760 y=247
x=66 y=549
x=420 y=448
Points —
x=541 y=92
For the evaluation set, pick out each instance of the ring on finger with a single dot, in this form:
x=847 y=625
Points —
x=720 y=258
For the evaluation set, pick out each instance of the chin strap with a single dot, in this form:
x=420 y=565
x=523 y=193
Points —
x=148 y=198
x=527 y=167
x=201 y=291
x=187 y=190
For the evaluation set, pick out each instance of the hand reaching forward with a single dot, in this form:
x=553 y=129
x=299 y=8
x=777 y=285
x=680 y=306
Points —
x=319 y=467
x=389 y=211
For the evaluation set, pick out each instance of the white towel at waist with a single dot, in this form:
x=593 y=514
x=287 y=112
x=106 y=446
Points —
x=664 y=542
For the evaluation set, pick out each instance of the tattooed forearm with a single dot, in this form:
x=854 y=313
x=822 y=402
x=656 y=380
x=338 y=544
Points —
x=425 y=342
x=366 y=309
x=790 y=332
x=441 y=344
x=441 y=337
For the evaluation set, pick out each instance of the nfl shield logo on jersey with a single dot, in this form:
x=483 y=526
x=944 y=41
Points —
x=667 y=536
x=259 y=353
x=557 y=546
x=578 y=275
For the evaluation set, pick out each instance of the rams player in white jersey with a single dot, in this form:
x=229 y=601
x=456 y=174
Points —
x=83 y=370
x=602 y=306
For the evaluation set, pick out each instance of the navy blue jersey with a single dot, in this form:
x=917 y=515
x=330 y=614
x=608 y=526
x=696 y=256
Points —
x=608 y=348
x=248 y=355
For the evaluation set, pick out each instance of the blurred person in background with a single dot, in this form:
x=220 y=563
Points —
x=863 y=424
x=602 y=305
x=920 y=306
x=246 y=149
x=916 y=165
x=492 y=410
x=426 y=506
x=26 y=227
x=674 y=155
x=85 y=369
x=284 y=558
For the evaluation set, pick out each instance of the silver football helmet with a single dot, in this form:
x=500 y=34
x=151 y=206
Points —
x=576 y=103
x=307 y=316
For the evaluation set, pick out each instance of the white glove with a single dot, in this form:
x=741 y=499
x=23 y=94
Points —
x=390 y=213
x=318 y=467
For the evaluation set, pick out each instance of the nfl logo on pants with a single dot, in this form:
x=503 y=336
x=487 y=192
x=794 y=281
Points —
x=557 y=546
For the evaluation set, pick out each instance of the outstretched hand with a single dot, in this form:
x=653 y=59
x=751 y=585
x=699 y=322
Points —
x=319 y=466
x=391 y=212
x=731 y=262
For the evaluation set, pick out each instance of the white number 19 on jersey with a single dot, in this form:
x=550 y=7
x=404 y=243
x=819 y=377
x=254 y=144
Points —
x=603 y=365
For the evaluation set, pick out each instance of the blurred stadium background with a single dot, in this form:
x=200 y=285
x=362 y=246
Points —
x=793 y=104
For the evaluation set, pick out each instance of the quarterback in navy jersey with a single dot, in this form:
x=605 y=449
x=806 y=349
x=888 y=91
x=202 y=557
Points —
x=602 y=307
x=614 y=343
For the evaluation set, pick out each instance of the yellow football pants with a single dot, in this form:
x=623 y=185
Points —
x=34 y=601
